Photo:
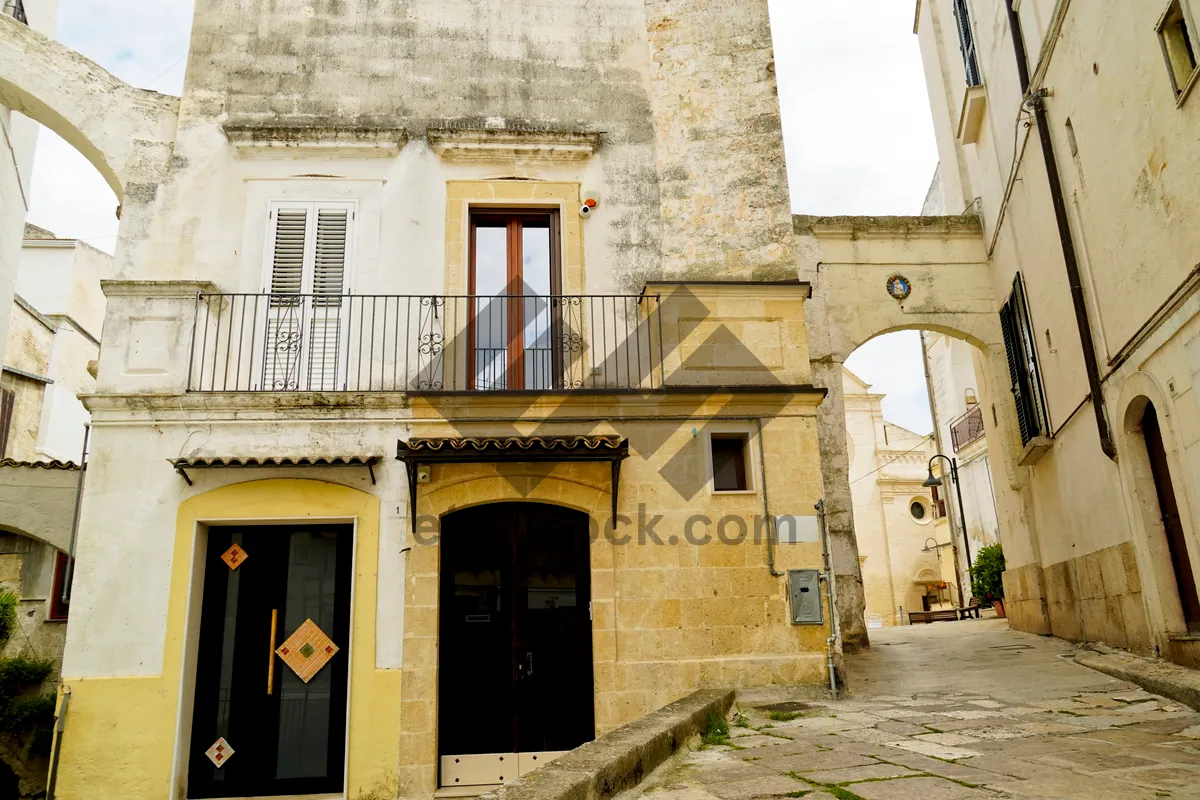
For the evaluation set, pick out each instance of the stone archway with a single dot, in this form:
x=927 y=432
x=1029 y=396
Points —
x=126 y=133
x=949 y=289
x=110 y=122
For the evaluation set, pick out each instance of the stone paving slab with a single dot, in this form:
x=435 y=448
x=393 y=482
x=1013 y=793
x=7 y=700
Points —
x=869 y=772
x=916 y=789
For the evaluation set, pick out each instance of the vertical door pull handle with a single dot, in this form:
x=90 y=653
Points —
x=529 y=669
x=271 y=652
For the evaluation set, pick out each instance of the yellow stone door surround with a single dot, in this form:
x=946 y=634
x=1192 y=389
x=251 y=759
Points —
x=146 y=720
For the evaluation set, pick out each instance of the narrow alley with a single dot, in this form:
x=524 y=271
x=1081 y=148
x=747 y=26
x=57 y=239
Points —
x=947 y=711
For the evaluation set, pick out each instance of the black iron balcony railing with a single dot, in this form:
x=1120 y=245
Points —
x=424 y=343
x=15 y=9
x=967 y=428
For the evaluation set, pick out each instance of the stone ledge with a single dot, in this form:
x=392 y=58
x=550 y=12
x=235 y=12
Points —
x=887 y=227
x=487 y=146
x=621 y=759
x=157 y=289
x=1169 y=680
x=250 y=140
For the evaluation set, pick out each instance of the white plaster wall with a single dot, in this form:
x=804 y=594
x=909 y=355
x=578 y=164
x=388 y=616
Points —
x=401 y=226
x=119 y=609
x=1128 y=177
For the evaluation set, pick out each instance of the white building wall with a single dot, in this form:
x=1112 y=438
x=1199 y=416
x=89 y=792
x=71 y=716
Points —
x=16 y=171
x=61 y=278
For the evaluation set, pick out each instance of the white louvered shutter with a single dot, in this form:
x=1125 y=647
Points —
x=325 y=352
x=285 y=283
x=306 y=282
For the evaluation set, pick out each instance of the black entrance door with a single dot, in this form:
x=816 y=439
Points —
x=270 y=709
x=1185 y=580
x=516 y=635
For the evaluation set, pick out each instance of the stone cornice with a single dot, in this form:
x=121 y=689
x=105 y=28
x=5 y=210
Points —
x=489 y=146
x=459 y=408
x=251 y=141
x=169 y=289
x=876 y=227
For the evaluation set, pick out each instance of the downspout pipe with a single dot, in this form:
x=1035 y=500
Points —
x=762 y=470
x=1037 y=103
x=1018 y=37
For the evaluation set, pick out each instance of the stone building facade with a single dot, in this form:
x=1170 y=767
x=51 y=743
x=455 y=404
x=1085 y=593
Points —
x=1069 y=129
x=901 y=545
x=455 y=353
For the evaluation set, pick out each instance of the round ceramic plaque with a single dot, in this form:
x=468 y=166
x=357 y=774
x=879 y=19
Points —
x=899 y=287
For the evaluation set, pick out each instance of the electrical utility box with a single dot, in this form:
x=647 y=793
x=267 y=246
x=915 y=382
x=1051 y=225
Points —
x=804 y=594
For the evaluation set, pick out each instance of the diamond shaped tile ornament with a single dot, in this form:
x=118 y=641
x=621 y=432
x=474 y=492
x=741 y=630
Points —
x=307 y=650
x=219 y=753
x=234 y=556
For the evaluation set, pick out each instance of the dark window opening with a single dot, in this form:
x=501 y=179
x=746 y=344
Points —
x=729 y=463
x=917 y=509
x=16 y=10
x=59 y=609
x=939 y=505
x=1179 y=49
x=8 y=399
x=966 y=43
x=1020 y=347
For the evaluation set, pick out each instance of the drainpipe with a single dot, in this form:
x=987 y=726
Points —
x=831 y=590
x=762 y=470
x=1014 y=25
x=1037 y=103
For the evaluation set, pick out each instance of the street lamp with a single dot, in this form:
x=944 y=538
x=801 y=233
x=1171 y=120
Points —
x=962 y=519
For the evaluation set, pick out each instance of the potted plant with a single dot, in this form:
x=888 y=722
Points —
x=987 y=582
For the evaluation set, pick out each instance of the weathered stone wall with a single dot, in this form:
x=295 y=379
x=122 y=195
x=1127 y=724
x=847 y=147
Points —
x=725 y=202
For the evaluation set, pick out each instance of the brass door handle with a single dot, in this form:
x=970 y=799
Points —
x=271 y=652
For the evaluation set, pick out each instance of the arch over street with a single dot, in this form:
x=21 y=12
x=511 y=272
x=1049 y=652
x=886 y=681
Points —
x=110 y=122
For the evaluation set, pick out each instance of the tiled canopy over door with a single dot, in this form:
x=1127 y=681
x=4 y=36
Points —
x=309 y=252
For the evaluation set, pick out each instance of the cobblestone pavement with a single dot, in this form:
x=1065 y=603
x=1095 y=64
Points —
x=947 y=711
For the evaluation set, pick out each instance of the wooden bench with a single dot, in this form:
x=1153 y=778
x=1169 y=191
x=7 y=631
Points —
x=969 y=611
x=941 y=615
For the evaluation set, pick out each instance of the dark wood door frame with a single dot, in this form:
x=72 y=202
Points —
x=253 y=701
x=1168 y=506
x=502 y=532
x=514 y=221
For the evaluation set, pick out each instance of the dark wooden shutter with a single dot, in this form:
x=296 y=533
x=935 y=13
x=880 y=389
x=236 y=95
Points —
x=966 y=43
x=939 y=505
x=8 y=399
x=1022 y=364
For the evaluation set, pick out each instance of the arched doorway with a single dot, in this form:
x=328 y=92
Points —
x=515 y=652
x=1172 y=522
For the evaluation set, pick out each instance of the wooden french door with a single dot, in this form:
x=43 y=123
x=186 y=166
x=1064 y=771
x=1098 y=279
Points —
x=516 y=287
x=271 y=673
x=515 y=667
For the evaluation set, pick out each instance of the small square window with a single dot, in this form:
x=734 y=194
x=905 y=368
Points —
x=1179 y=47
x=729 y=463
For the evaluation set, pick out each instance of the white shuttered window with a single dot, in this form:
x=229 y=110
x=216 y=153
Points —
x=308 y=254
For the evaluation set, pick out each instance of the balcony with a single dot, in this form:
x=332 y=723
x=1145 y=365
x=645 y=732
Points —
x=15 y=9
x=425 y=343
x=967 y=428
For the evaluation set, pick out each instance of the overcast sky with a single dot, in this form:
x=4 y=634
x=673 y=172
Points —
x=855 y=118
